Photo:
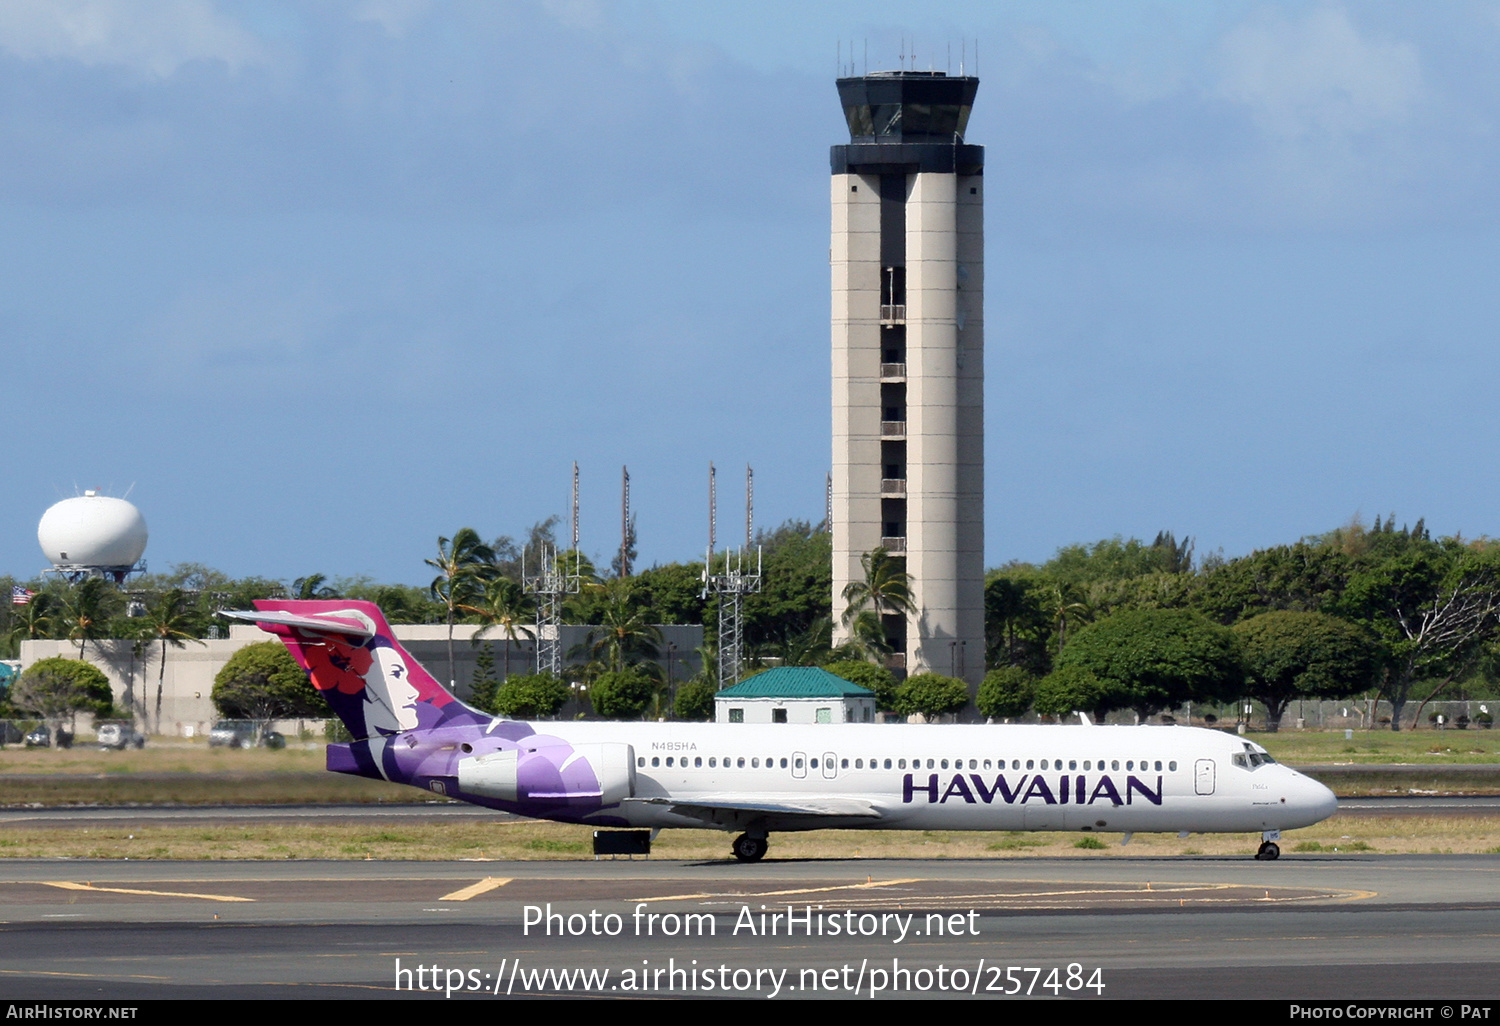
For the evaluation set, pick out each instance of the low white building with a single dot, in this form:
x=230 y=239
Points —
x=186 y=708
x=795 y=694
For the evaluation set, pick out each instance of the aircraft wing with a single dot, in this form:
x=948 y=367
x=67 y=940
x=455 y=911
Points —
x=714 y=810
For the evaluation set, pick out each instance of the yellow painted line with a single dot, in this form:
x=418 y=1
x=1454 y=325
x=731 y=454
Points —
x=69 y=885
x=776 y=894
x=484 y=886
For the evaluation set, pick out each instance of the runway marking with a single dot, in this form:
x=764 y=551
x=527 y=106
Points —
x=773 y=894
x=484 y=886
x=69 y=885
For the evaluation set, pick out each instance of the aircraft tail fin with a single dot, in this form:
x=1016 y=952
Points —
x=354 y=660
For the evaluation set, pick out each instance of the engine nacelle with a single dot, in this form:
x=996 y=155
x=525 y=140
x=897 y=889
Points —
x=604 y=773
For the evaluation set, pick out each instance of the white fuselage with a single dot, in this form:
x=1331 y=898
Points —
x=952 y=777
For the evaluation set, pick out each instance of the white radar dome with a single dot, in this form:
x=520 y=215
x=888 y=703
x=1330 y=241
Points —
x=92 y=530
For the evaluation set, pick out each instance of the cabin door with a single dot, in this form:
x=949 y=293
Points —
x=830 y=765
x=1203 y=776
x=799 y=765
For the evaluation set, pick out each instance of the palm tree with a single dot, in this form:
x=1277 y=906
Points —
x=312 y=587
x=169 y=621
x=886 y=589
x=506 y=608
x=463 y=563
x=625 y=633
x=33 y=621
x=86 y=612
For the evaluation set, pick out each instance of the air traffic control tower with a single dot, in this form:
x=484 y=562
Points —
x=908 y=359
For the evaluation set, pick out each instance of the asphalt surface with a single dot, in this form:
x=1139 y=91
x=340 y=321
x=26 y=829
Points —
x=1304 y=927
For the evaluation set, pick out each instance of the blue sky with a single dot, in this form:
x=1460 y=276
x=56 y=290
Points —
x=324 y=281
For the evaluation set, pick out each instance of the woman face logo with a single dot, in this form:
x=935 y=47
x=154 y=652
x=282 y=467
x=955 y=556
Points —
x=390 y=696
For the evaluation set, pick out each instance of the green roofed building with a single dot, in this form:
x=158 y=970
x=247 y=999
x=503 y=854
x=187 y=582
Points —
x=795 y=694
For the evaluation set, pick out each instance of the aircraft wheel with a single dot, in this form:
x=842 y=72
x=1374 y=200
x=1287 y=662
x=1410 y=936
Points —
x=750 y=849
x=1269 y=852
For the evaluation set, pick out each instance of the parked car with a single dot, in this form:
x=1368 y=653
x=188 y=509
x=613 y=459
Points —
x=119 y=736
x=232 y=734
x=41 y=737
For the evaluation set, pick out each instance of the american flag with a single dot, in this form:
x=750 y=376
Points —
x=19 y=596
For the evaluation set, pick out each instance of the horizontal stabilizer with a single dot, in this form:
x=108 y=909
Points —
x=345 y=624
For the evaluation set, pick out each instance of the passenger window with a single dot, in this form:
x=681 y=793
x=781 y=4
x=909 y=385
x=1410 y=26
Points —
x=859 y=764
x=755 y=764
x=887 y=764
x=1072 y=764
x=783 y=762
x=1085 y=764
x=844 y=764
x=740 y=764
x=1015 y=764
x=640 y=760
x=698 y=762
x=945 y=764
x=1030 y=764
x=929 y=764
x=1129 y=765
x=655 y=761
x=901 y=763
x=669 y=762
x=1172 y=766
x=1115 y=764
x=1158 y=764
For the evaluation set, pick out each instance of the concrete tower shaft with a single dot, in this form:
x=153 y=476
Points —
x=908 y=359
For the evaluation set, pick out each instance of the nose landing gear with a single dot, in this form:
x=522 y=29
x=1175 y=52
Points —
x=750 y=849
x=1269 y=849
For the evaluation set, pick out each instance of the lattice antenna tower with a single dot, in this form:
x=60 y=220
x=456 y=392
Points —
x=551 y=585
x=732 y=584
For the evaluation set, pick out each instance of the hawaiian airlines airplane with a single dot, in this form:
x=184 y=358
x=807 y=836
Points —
x=758 y=779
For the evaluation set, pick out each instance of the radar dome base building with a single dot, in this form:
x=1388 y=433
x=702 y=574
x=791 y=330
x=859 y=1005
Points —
x=908 y=360
x=93 y=535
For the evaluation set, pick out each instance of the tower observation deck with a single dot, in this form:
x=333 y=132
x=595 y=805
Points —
x=908 y=359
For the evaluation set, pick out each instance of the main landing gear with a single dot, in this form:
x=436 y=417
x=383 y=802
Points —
x=750 y=849
x=1269 y=849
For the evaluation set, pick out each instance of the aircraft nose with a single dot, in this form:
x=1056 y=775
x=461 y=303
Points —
x=1315 y=799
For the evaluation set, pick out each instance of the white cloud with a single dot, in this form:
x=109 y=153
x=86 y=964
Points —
x=155 y=38
x=1318 y=76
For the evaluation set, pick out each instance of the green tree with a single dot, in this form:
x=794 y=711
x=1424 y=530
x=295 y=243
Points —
x=1006 y=692
x=57 y=689
x=262 y=682
x=1070 y=689
x=463 y=564
x=505 y=608
x=531 y=696
x=1293 y=655
x=624 y=634
x=87 y=611
x=33 y=621
x=1017 y=627
x=1433 y=605
x=313 y=586
x=931 y=695
x=695 y=700
x=483 y=685
x=1149 y=659
x=885 y=590
x=868 y=675
x=167 y=621
x=623 y=694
